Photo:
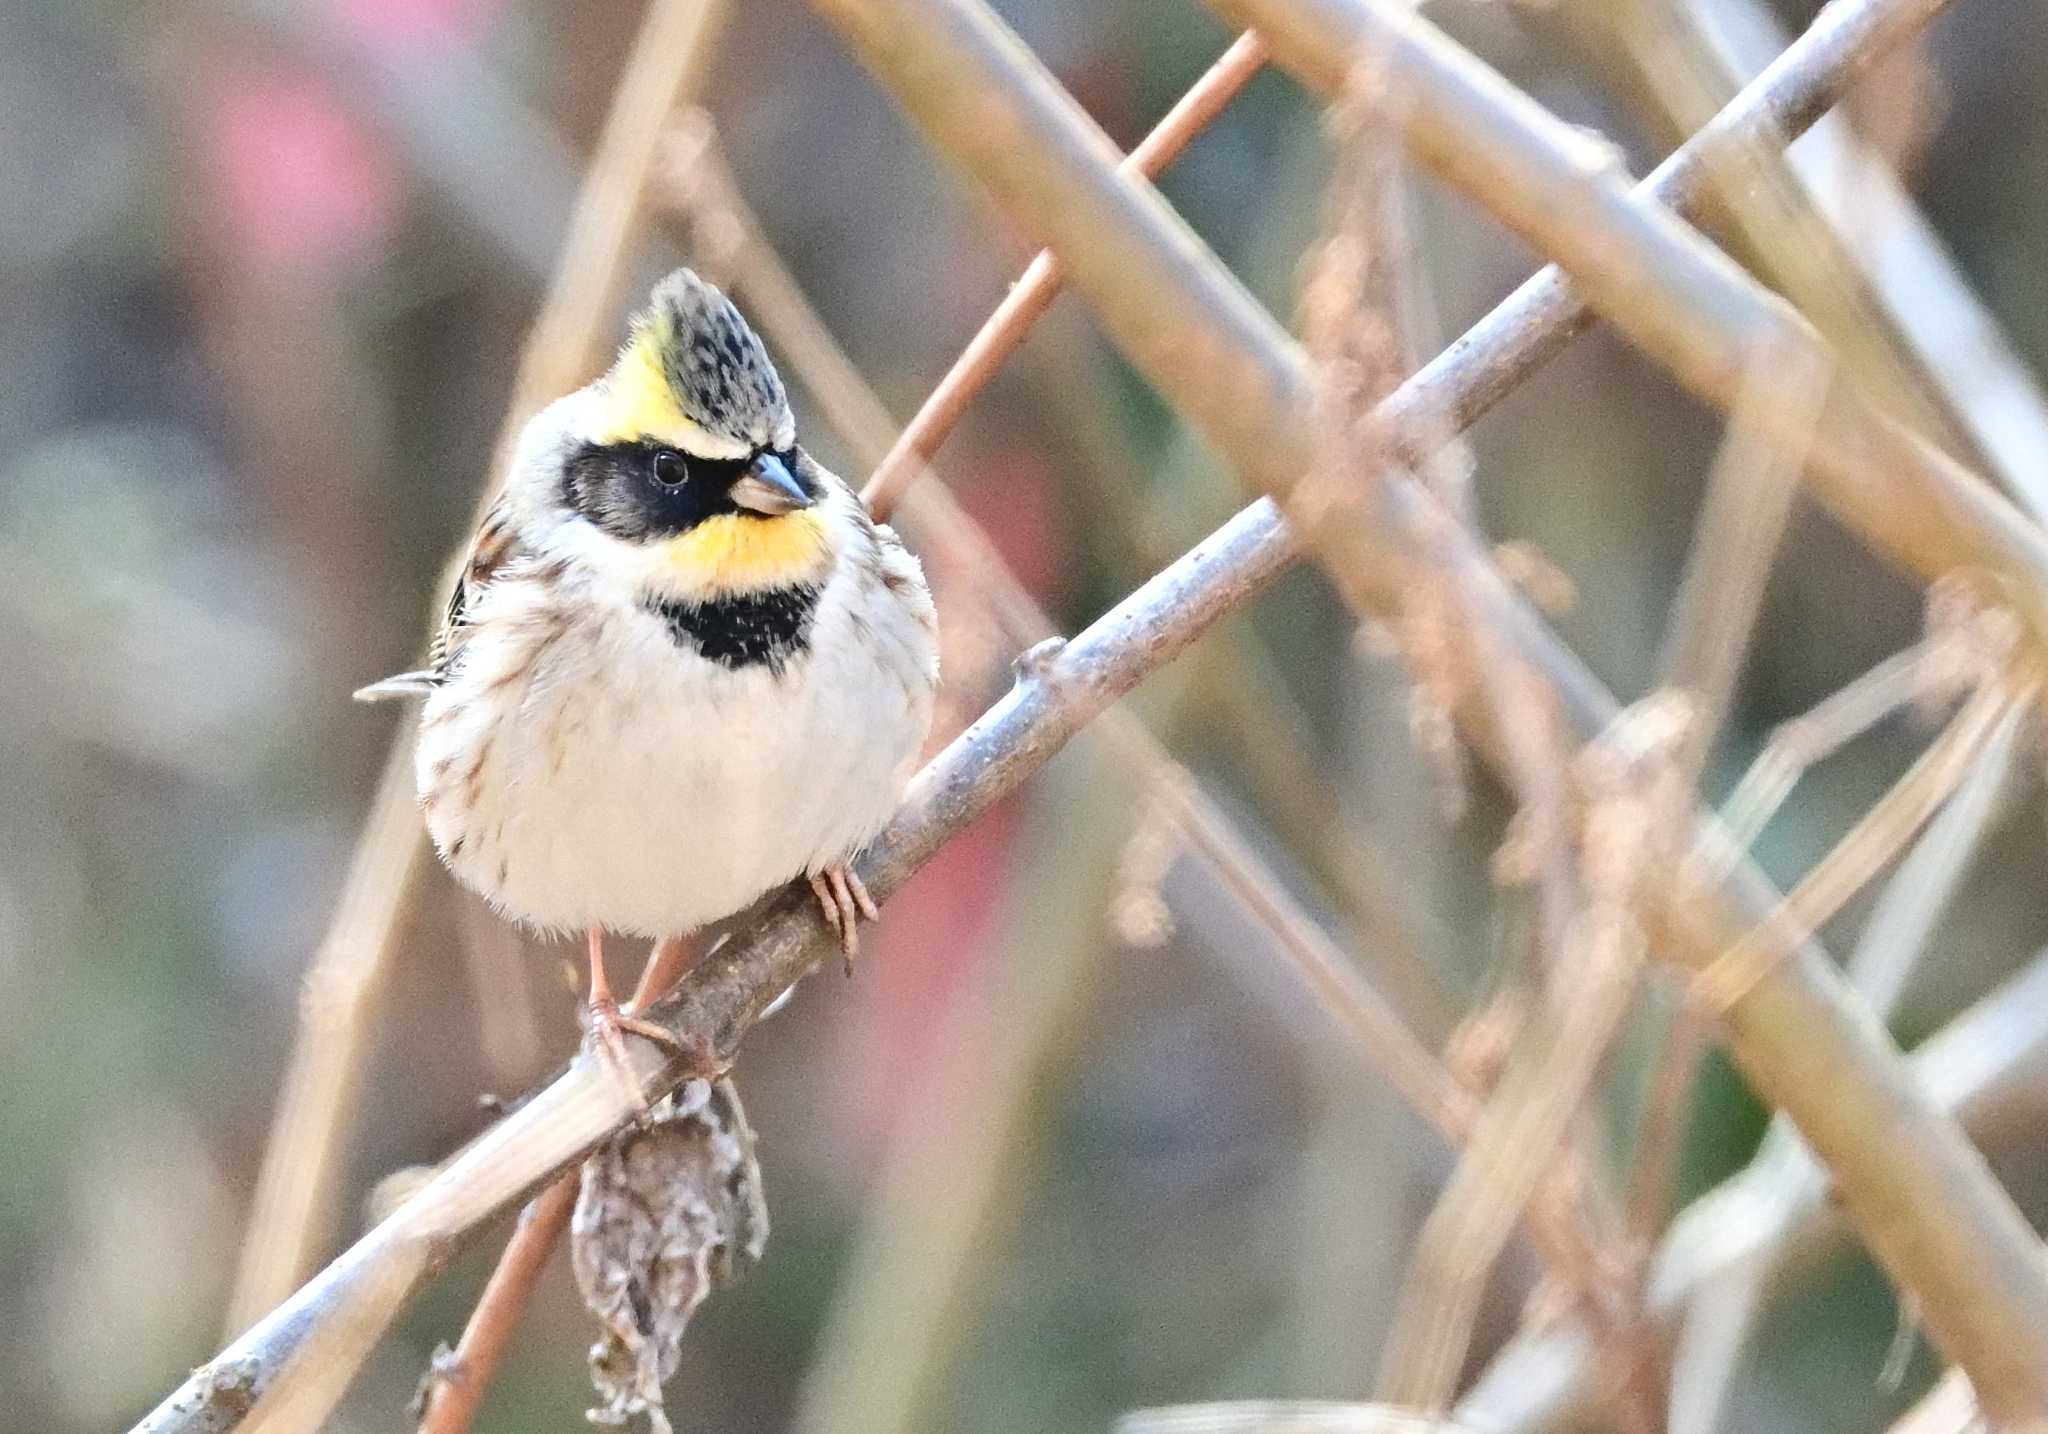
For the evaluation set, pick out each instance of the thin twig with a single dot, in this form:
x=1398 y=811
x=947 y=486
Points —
x=722 y=996
x=1797 y=745
x=1878 y=835
x=458 y=1380
x=1514 y=1145
x=1003 y=333
x=1749 y=498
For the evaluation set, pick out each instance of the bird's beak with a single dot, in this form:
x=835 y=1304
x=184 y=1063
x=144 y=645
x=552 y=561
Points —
x=769 y=487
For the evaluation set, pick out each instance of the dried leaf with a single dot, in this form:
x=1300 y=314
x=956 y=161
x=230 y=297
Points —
x=669 y=1211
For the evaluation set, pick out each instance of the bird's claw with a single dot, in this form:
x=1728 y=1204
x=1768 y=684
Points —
x=843 y=899
x=606 y=1030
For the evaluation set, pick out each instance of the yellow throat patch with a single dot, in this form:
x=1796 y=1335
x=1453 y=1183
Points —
x=741 y=553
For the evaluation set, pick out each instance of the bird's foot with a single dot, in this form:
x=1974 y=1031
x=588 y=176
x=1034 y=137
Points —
x=606 y=1026
x=605 y=1030
x=844 y=900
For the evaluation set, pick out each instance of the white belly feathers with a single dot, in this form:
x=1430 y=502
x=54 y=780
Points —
x=581 y=768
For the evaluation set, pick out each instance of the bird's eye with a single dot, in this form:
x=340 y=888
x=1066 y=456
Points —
x=669 y=471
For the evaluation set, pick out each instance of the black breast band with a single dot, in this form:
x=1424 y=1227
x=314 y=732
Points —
x=743 y=629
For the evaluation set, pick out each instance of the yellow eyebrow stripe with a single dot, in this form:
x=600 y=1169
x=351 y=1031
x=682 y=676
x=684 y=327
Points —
x=638 y=406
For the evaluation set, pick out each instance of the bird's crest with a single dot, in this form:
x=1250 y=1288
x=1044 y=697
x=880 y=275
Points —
x=694 y=375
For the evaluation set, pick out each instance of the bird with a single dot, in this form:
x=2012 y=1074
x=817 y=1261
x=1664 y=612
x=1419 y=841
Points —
x=681 y=664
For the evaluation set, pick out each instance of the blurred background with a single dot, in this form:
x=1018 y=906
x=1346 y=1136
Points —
x=266 y=270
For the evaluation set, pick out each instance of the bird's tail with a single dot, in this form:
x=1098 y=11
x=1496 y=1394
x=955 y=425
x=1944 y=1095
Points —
x=405 y=684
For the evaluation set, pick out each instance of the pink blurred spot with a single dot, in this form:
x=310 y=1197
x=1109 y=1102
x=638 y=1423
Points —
x=298 y=180
x=932 y=937
x=396 y=25
x=1015 y=497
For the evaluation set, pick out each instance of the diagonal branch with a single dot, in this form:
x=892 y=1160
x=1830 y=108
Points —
x=1898 y=936
x=721 y=998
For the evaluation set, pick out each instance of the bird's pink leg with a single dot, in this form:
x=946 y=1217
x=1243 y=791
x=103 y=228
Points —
x=608 y=1025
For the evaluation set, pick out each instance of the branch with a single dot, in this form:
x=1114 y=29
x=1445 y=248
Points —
x=1929 y=1207
x=1055 y=695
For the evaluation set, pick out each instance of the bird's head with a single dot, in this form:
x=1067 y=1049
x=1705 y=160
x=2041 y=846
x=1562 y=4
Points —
x=685 y=453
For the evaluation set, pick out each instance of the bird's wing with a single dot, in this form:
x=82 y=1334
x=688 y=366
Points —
x=495 y=546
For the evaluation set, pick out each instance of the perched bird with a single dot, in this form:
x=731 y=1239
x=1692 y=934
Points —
x=681 y=665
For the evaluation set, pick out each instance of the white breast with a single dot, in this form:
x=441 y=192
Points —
x=583 y=769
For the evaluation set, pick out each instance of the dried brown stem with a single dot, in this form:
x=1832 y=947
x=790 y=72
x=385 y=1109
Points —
x=1619 y=814
x=1897 y=935
x=1797 y=745
x=1879 y=835
x=1749 y=499
x=1512 y=1149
